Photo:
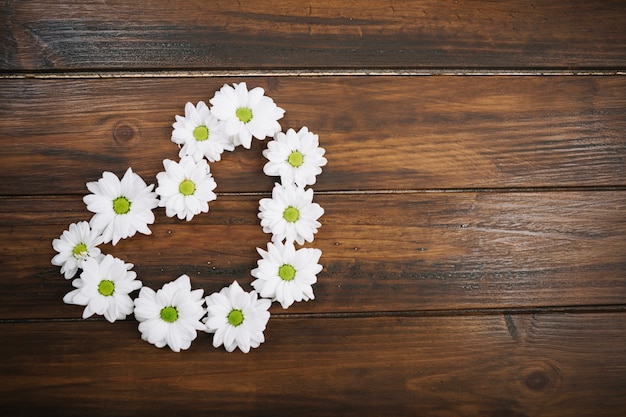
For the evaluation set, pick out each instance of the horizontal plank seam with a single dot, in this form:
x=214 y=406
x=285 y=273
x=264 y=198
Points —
x=493 y=190
x=309 y=73
x=585 y=309
x=590 y=309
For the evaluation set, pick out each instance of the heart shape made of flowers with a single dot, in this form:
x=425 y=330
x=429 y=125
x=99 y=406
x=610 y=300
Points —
x=172 y=315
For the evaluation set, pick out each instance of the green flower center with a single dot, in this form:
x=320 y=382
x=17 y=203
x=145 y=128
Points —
x=291 y=214
x=187 y=187
x=295 y=159
x=121 y=205
x=244 y=114
x=201 y=133
x=235 y=317
x=169 y=314
x=106 y=287
x=79 y=250
x=287 y=272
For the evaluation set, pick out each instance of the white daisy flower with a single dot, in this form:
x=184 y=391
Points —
x=200 y=134
x=75 y=246
x=121 y=208
x=170 y=316
x=286 y=274
x=246 y=113
x=103 y=287
x=295 y=157
x=290 y=214
x=185 y=188
x=237 y=318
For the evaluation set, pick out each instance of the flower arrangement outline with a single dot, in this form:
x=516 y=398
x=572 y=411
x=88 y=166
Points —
x=174 y=314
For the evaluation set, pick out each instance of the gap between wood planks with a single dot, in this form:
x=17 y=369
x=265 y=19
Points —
x=308 y=73
x=493 y=190
x=591 y=309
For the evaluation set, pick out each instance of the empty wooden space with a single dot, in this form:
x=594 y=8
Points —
x=455 y=34
x=474 y=235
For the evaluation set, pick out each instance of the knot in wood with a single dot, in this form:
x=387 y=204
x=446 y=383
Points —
x=126 y=131
x=537 y=380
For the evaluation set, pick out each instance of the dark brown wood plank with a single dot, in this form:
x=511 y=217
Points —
x=194 y=34
x=379 y=132
x=381 y=252
x=516 y=365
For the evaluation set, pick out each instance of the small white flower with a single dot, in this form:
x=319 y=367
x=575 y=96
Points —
x=103 y=287
x=290 y=214
x=246 y=113
x=237 y=318
x=295 y=157
x=170 y=316
x=200 y=134
x=286 y=274
x=185 y=188
x=121 y=208
x=75 y=246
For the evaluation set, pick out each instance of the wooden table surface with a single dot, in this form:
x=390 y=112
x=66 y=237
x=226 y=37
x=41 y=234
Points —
x=474 y=239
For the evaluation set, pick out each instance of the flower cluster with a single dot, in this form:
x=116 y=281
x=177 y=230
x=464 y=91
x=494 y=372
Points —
x=285 y=274
x=173 y=315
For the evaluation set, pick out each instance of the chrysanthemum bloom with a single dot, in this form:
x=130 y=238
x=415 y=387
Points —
x=185 y=188
x=290 y=214
x=295 y=157
x=103 y=287
x=170 y=316
x=121 y=208
x=286 y=274
x=246 y=113
x=237 y=318
x=75 y=246
x=200 y=134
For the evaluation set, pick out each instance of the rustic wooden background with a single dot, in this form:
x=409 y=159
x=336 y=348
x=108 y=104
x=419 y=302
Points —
x=474 y=240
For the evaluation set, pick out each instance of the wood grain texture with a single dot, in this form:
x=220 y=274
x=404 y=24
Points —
x=382 y=132
x=542 y=364
x=399 y=252
x=474 y=239
x=195 y=34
